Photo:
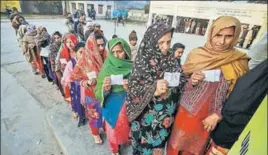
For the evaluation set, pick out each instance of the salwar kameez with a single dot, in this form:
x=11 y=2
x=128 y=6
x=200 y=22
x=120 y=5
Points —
x=116 y=122
x=93 y=113
x=201 y=105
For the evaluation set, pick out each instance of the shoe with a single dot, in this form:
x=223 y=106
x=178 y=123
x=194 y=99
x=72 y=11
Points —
x=43 y=76
x=81 y=122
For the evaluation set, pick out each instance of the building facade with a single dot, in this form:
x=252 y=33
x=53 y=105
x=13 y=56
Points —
x=100 y=6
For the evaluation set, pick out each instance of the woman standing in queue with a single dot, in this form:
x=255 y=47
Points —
x=151 y=103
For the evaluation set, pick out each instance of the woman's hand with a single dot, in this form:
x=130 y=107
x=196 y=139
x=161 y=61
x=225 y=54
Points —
x=161 y=87
x=125 y=84
x=197 y=77
x=107 y=84
x=91 y=82
x=211 y=121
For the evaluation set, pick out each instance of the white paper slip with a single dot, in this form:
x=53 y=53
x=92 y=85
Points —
x=63 y=61
x=173 y=79
x=212 y=75
x=117 y=79
x=91 y=75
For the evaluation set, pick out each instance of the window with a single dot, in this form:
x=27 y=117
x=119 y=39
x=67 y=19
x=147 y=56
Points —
x=73 y=6
x=100 y=9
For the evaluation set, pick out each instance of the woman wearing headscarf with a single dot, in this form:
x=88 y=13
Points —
x=151 y=104
x=21 y=32
x=54 y=49
x=42 y=40
x=77 y=108
x=247 y=95
x=112 y=97
x=30 y=49
x=17 y=21
x=201 y=103
x=90 y=63
x=63 y=57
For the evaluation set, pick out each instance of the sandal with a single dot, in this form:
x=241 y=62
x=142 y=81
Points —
x=98 y=140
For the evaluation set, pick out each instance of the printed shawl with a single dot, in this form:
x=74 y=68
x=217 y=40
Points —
x=91 y=60
x=149 y=66
x=41 y=37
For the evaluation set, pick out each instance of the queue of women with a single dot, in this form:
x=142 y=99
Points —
x=132 y=100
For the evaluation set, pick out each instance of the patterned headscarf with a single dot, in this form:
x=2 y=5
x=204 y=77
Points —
x=41 y=37
x=55 y=46
x=149 y=66
x=90 y=61
x=30 y=29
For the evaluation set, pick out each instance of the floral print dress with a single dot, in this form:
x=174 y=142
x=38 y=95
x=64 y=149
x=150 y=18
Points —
x=151 y=129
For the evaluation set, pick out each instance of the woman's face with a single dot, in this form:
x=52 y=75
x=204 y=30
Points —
x=79 y=53
x=70 y=44
x=223 y=40
x=164 y=43
x=133 y=42
x=56 y=38
x=118 y=52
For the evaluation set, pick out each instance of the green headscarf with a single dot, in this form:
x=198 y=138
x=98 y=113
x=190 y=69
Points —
x=114 y=66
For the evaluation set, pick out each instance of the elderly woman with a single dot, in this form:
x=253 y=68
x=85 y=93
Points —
x=112 y=97
x=63 y=57
x=151 y=100
x=86 y=70
x=53 y=51
x=21 y=32
x=42 y=40
x=30 y=49
x=201 y=103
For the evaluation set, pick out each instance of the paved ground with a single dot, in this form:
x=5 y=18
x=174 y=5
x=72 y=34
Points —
x=34 y=118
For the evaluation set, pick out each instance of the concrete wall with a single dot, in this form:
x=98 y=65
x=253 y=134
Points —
x=41 y=7
x=137 y=15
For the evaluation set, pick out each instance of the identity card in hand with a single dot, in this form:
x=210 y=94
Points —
x=212 y=75
x=117 y=79
x=91 y=75
x=63 y=61
x=173 y=79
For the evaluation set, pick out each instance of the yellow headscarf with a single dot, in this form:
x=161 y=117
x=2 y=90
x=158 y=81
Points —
x=231 y=61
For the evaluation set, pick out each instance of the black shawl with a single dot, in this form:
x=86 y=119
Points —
x=149 y=66
x=241 y=105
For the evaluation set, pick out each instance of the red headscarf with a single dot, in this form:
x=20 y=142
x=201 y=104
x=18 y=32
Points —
x=91 y=60
x=65 y=51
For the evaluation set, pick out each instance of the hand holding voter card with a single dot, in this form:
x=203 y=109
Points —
x=91 y=78
x=117 y=79
x=63 y=61
x=173 y=79
x=212 y=75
